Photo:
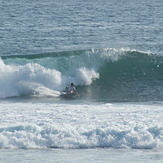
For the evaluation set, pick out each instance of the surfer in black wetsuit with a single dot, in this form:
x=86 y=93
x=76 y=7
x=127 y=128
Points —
x=70 y=92
x=71 y=89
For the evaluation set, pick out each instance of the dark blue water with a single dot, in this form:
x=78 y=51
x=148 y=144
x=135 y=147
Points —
x=34 y=27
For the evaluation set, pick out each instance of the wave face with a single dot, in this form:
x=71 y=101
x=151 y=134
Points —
x=104 y=74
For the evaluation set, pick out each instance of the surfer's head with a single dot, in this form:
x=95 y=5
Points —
x=72 y=84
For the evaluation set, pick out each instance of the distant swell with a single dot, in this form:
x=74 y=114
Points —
x=104 y=74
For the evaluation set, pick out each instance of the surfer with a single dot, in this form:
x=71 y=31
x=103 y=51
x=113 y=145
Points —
x=71 y=89
x=70 y=92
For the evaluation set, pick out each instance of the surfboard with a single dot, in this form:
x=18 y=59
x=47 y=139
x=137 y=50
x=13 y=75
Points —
x=69 y=95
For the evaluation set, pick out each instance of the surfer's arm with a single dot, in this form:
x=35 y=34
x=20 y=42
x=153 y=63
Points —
x=75 y=91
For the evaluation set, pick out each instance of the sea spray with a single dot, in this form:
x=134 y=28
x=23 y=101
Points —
x=34 y=79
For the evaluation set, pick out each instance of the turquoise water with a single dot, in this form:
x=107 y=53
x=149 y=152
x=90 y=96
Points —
x=106 y=74
x=111 y=51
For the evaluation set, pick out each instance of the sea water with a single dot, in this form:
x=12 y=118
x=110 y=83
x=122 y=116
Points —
x=71 y=132
x=111 y=51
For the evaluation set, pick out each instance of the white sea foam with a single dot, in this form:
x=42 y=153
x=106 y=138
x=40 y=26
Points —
x=34 y=79
x=45 y=125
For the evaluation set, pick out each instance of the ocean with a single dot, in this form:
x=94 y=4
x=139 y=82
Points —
x=111 y=51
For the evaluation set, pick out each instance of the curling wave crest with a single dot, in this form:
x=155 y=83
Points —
x=104 y=74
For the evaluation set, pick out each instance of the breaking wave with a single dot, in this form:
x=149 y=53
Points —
x=104 y=74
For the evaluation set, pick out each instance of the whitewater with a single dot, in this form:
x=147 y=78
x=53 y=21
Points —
x=77 y=126
x=111 y=51
x=35 y=130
